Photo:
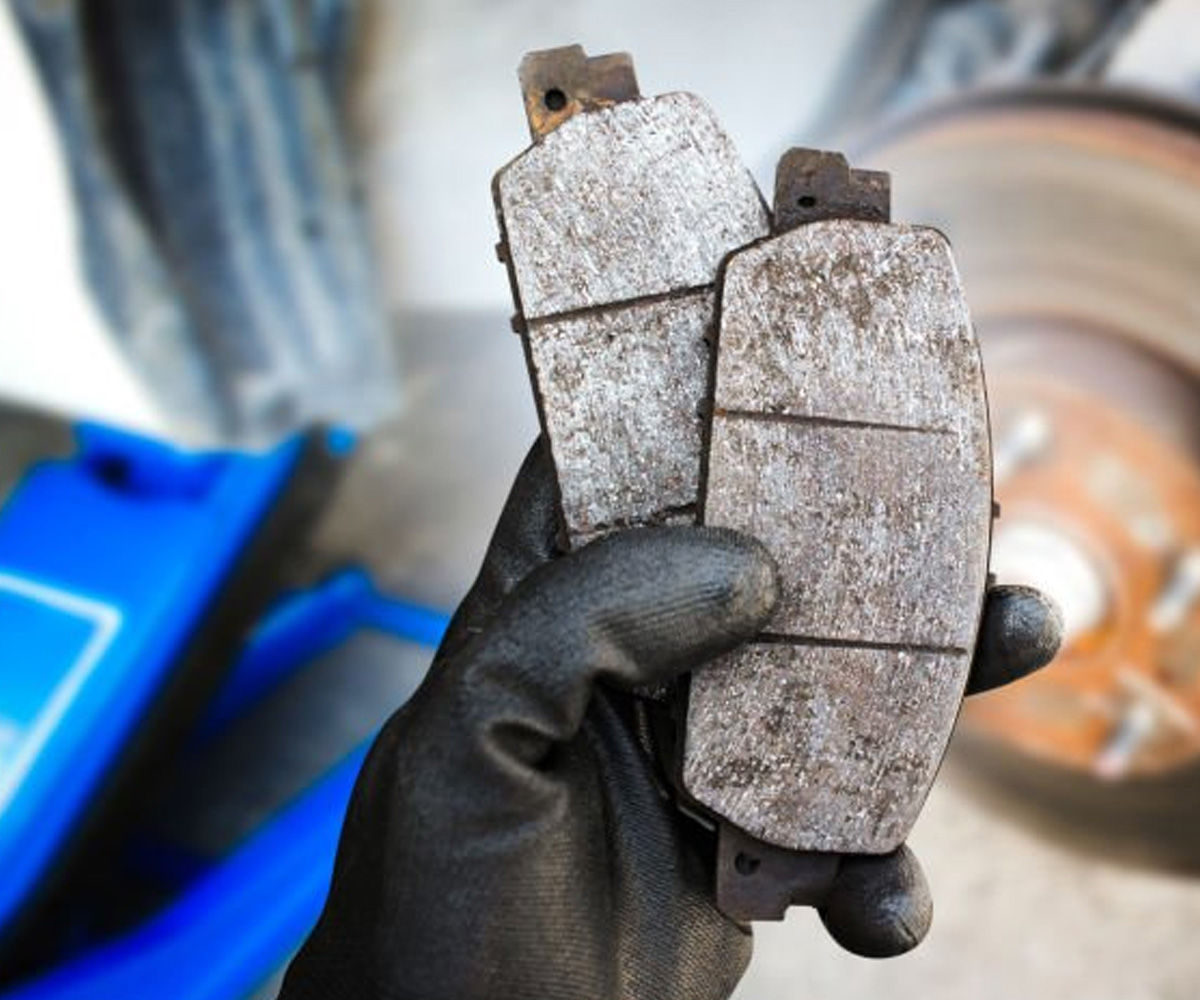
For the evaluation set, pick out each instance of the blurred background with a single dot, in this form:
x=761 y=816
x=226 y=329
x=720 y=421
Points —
x=227 y=221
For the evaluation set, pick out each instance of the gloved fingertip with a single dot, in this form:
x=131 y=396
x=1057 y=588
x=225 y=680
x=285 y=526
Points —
x=880 y=907
x=753 y=579
x=659 y=600
x=632 y=609
x=1021 y=632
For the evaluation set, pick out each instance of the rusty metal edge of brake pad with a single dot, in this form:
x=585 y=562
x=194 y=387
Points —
x=560 y=83
x=758 y=881
x=765 y=710
x=613 y=224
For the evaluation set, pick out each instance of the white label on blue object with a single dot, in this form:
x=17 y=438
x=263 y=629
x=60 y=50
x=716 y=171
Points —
x=50 y=642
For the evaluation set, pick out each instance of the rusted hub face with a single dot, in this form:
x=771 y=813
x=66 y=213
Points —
x=1101 y=506
x=1076 y=221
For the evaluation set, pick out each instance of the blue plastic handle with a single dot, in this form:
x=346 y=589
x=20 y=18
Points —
x=307 y=624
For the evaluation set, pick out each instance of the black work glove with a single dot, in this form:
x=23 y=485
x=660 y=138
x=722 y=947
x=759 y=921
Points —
x=507 y=837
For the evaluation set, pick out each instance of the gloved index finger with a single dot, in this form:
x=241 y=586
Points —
x=635 y=608
x=1021 y=632
x=524 y=539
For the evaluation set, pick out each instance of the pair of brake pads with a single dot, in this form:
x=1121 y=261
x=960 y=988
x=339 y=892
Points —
x=808 y=375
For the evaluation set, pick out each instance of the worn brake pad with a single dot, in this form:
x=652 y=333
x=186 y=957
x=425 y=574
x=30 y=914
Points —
x=830 y=403
x=613 y=225
x=849 y=433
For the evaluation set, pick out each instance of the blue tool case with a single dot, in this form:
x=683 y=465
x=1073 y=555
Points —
x=142 y=624
x=130 y=573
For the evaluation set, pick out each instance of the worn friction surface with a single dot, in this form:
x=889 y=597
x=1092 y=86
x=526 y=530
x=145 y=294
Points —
x=849 y=435
x=615 y=225
x=643 y=198
x=620 y=393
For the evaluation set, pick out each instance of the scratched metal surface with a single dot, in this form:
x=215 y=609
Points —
x=850 y=435
x=613 y=227
x=620 y=392
x=642 y=198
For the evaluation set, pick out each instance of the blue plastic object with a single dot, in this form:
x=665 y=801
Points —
x=236 y=924
x=109 y=561
x=310 y=623
x=234 y=928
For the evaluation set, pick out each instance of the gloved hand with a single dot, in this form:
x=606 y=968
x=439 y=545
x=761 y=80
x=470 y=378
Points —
x=507 y=837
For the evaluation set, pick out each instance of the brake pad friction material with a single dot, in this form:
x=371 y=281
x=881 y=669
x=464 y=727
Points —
x=621 y=395
x=614 y=225
x=849 y=433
